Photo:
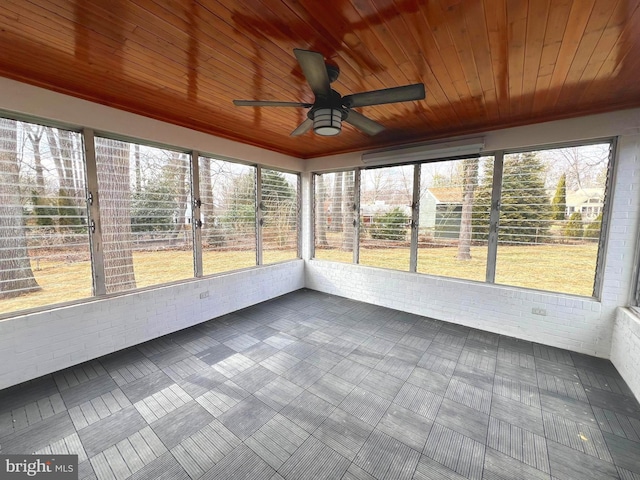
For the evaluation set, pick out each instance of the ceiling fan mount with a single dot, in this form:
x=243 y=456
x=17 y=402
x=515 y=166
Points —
x=329 y=108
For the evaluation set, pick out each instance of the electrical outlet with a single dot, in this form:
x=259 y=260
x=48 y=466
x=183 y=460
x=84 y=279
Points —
x=204 y=294
x=539 y=311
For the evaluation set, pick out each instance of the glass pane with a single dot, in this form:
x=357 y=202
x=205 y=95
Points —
x=280 y=216
x=44 y=243
x=455 y=199
x=385 y=216
x=145 y=212
x=334 y=215
x=550 y=218
x=228 y=194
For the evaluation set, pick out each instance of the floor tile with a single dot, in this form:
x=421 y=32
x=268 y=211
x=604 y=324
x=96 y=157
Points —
x=456 y=451
x=277 y=440
x=365 y=405
x=88 y=390
x=624 y=452
x=111 y=430
x=384 y=457
x=518 y=443
x=278 y=393
x=242 y=462
x=498 y=466
x=344 y=433
x=409 y=427
x=247 y=417
x=516 y=413
x=463 y=419
x=568 y=464
x=38 y=435
x=181 y=423
x=314 y=461
x=146 y=386
x=419 y=400
x=308 y=411
x=331 y=388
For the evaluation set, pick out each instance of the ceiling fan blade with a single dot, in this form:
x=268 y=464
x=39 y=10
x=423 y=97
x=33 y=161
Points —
x=365 y=124
x=315 y=71
x=386 y=95
x=269 y=103
x=303 y=128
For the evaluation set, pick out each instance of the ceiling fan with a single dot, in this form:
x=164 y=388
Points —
x=330 y=109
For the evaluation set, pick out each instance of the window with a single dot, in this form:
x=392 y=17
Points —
x=145 y=208
x=455 y=201
x=44 y=242
x=279 y=216
x=385 y=216
x=539 y=245
x=228 y=194
x=334 y=207
x=546 y=233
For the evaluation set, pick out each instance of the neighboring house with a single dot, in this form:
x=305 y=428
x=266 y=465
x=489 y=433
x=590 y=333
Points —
x=587 y=201
x=371 y=210
x=440 y=212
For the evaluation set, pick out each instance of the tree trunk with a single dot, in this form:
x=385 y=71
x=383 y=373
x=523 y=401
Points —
x=348 y=214
x=35 y=136
x=206 y=199
x=56 y=157
x=138 y=172
x=321 y=213
x=16 y=276
x=112 y=158
x=336 y=206
x=470 y=168
x=179 y=173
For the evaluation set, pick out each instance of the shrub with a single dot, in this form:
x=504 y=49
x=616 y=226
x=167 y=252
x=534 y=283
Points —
x=592 y=230
x=573 y=227
x=390 y=226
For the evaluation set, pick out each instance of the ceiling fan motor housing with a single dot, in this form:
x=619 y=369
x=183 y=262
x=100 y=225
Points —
x=327 y=114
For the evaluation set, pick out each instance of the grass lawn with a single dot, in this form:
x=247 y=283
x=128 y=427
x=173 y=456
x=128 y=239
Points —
x=62 y=282
x=560 y=268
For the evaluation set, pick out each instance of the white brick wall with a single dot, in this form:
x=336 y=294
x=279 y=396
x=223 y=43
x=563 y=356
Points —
x=41 y=343
x=625 y=348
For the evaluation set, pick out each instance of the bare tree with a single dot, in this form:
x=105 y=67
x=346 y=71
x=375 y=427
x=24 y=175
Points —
x=320 y=213
x=336 y=204
x=16 y=276
x=34 y=134
x=178 y=173
x=348 y=211
x=112 y=157
x=470 y=180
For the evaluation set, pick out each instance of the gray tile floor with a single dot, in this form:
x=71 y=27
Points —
x=311 y=386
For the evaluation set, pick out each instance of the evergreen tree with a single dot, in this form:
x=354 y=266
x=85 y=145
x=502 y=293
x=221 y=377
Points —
x=68 y=213
x=152 y=209
x=559 y=202
x=524 y=204
x=573 y=228
x=43 y=211
x=592 y=230
x=390 y=226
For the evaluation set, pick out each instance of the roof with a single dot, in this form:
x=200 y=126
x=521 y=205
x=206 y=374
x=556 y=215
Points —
x=446 y=194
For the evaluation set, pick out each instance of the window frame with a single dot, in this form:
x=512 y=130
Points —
x=92 y=194
x=496 y=192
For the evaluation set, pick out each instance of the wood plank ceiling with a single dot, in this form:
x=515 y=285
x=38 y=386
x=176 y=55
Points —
x=485 y=63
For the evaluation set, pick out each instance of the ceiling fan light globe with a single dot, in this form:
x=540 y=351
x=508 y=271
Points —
x=327 y=121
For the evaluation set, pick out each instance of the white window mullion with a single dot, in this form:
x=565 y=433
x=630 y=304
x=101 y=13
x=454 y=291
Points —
x=494 y=217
